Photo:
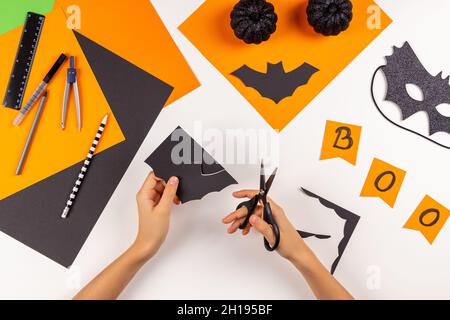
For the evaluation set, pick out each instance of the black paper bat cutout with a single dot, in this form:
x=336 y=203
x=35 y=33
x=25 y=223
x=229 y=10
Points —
x=404 y=67
x=351 y=221
x=179 y=155
x=276 y=84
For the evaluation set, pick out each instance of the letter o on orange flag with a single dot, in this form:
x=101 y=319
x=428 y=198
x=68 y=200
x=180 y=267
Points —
x=429 y=218
x=383 y=181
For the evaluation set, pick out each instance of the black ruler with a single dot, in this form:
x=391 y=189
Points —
x=24 y=60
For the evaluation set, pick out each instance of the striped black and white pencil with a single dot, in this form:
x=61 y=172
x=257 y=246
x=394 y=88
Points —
x=84 y=169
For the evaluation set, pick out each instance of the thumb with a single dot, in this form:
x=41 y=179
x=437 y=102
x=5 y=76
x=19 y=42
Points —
x=169 y=193
x=263 y=227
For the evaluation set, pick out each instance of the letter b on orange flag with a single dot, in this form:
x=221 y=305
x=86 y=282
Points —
x=429 y=218
x=341 y=140
x=384 y=181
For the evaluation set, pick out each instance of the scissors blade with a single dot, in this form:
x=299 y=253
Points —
x=262 y=178
x=270 y=181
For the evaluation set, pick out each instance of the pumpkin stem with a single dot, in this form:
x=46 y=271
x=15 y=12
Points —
x=333 y=8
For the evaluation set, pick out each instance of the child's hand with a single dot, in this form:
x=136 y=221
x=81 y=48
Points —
x=291 y=245
x=154 y=202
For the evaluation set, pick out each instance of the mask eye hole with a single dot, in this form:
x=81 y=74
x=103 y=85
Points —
x=414 y=91
x=444 y=109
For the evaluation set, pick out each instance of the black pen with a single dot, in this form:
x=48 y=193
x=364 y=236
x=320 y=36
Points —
x=39 y=90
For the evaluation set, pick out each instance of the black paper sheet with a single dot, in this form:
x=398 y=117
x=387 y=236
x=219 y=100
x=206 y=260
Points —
x=32 y=216
x=199 y=175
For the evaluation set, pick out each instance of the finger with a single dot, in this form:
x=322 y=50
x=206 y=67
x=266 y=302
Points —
x=258 y=212
x=245 y=194
x=177 y=201
x=153 y=195
x=147 y=188
x=247 y=229
x=149 y=183
x=263 y=227
x=160 y=186
x=169 y=194
x=238 y=214
x=235 y=225
x=155 y=201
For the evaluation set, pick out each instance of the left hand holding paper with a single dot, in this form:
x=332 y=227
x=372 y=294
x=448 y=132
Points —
x=155 y=200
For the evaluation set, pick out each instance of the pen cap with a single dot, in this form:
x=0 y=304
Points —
x=55 y=68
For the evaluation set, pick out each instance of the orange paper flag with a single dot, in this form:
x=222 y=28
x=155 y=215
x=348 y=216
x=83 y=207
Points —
x=383 y=181
x=341 y=140
x=429 y=218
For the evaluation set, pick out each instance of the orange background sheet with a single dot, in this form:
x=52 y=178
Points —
x=133 y=30
x=294 y=43
x=52 y=149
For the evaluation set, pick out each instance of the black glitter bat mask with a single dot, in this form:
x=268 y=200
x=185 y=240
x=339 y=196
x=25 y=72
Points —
x=403 y=67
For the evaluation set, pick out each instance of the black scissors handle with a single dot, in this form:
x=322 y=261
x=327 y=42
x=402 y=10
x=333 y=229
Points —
x=251 y=207
x=268 y=217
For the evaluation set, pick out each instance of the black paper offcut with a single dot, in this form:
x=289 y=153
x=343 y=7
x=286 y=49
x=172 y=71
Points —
x=351 y=221
x=32 y=216
x=181 y=156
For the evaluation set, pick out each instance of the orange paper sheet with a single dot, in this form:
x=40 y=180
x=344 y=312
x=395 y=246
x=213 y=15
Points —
x=294 y=43
x=133 y=30
x=52 y=149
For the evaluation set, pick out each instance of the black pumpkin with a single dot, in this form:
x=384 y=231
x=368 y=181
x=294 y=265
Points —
x=329 y=17
x=253 y=20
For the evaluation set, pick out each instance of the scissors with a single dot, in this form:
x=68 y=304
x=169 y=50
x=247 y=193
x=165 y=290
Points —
x=71 y=82
x=264 y=187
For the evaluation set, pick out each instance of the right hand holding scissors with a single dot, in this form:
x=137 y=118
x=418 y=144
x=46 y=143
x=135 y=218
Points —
x=291 y=245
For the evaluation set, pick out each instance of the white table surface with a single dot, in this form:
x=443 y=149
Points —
x=200 y=261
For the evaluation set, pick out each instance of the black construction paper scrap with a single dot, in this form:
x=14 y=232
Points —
x=32 y=216
x=351 y=221
x=179 y=155
x=305 y=235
